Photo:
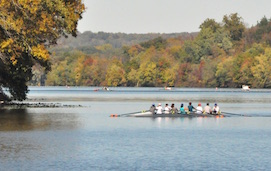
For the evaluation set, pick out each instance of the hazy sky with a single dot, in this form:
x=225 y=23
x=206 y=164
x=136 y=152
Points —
x=165 y=16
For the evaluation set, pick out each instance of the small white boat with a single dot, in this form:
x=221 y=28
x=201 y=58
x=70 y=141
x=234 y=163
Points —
x=167 y=88
x=245 y=87
x=106 y=89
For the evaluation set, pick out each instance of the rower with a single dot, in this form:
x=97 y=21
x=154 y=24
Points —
x=152 y=109
x=216 y=109
x=167 y=109
x=207 y=109
x=159 y=109
x=173 y=110
x=182 y=111
x=190 y=107
x=199 y=109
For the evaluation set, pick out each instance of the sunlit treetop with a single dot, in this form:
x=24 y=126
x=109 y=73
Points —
x=32 y=25
x=27 y=29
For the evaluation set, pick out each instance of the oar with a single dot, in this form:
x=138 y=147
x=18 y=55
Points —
x=235 y=114
x=205 y=113
x=127 y=114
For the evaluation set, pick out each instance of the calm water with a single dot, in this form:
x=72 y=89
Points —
x=85 y=138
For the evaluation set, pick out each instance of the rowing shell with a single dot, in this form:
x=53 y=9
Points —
x=192 y=114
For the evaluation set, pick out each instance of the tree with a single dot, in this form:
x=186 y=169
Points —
x=201 y=46
x=38 y=78
x=147 y=74
x=263 y=31
x=115 y=75
x=132 y=78
x=234 y=25
x=211 y=24
x=78 y=70
x=27 y=29
x=94 y=72
x=222 y=40
x=158 y=43
x=223 y=76
x=61 y=75
x=169 y=76
x=261 y=70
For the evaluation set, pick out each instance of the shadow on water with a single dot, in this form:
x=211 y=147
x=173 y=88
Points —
x=23 y=120
x=15 y=119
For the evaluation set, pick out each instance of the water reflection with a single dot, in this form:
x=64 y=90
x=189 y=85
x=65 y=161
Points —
x=15 y=119
x=199 y=121
x=35 y=119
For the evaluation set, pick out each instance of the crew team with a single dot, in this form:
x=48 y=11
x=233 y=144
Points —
x=183 y=110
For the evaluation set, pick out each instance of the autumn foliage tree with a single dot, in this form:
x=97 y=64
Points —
x=27 y=29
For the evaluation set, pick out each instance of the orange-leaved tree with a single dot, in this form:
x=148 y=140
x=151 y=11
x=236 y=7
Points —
x=27 y=29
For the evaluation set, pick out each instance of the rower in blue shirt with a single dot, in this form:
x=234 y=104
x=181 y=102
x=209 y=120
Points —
x=182 y=111
x=190 y=107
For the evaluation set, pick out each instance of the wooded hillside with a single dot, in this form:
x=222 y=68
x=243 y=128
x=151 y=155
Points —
x=222 y=54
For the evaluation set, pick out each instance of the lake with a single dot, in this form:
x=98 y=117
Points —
x=86 y=138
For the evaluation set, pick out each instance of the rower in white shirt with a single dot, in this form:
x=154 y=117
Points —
x=199 y=109
x=167 y=109
x=216 y=109
x=159 y=109
x=207 y=109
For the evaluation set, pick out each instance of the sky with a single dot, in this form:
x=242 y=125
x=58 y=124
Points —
x=166 y=16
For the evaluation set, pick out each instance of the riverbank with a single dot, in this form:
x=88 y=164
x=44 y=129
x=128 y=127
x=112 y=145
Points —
x=35 y=105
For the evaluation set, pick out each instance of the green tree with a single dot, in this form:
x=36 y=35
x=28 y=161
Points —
x=222 y=40
x=261 y=70
x=211 y=24
x=223 y=75
x=133 y=78
x=147 y=74
x=115 y=75
x=158 y=43
x=61 y=75
x=169 y=76
x=234 y=25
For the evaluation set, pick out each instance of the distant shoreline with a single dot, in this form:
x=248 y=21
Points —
x=36 y=105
